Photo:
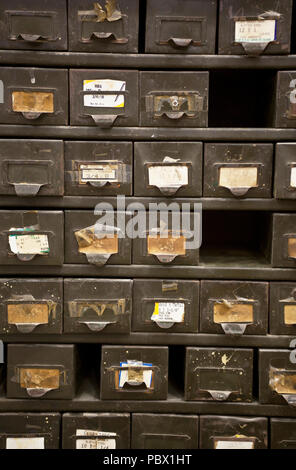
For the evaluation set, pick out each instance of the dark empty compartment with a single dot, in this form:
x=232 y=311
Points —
x=233 y=238
x=241 y=98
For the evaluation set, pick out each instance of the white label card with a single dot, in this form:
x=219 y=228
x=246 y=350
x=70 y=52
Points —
x=25 y=443
x=100 y=440
x=168 y=312
x=235 y=444
x=168 y=176
x=293 y=177
x=101 y=100
x=98 y=172
x=257 y=31
x=238 y=177
x=29 y=244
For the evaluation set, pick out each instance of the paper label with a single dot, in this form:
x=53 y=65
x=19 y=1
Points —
x=29 y=244
x=290 y=314
x=233 y=312
x=32 y=102
x=238 y=177
x=261 y=31
x=102 y=172
x=158 y=245
x=135 y=372
x=235 y=444
x=100 y=100
x=25 y=443
x=27 y=313
x=283 y=383
x=100 y=440
x=293 y=177
x=88 y=242
x=39 y=378
x=169 y=312
x=168 y=176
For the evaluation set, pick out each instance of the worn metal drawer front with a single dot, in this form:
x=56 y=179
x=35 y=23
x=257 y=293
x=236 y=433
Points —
x=32 y=237
x=188 y=27
x=283 y=240
x=284 y=110
x=255 y=28
x=174 y=99
x=31 y=306
x=219 y=374
x=168 y=169
x=164 y=431
x=29 y=430
x=234 y=307
x=105 y=26
x=282 y=433
x=231 y=432
x=165 y=306
x=134 y=372
x=98 y=168
x=33 y=96
x=104 y=98
x=98 y=306
x=238 y=170
x=282 y=308
x=86 y=241
x=96 y=431
x=31 y=167
x=277 y=377
x=285 y=171
x=161 y=243
x=35 y=26
x=41 y=371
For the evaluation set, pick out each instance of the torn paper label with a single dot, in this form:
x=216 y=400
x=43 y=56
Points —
x=255 y=31
x=27 y=313
x=293 y=177
x=29 y=244
x=102 y=172
x=135 y=373
x=292 y=247
x=25 y=443
x=168 y=312
x=238 y=177
x=100 y=440
x=34 y=378
x=101 y=100
x=235 y=444
x=168 y=176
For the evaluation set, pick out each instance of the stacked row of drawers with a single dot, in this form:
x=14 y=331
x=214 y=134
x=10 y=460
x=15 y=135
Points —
x=144 y=431
x=171 y=27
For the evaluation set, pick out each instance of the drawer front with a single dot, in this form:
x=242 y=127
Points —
x=98 y=168
x=33 y=96
x=255 y=28
x=104 y=98
x=285 y=171
x=170 y=169
x=174 y=99
x=37 y=26
x=284 y=241
x=110 y=27
x=181 y=28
